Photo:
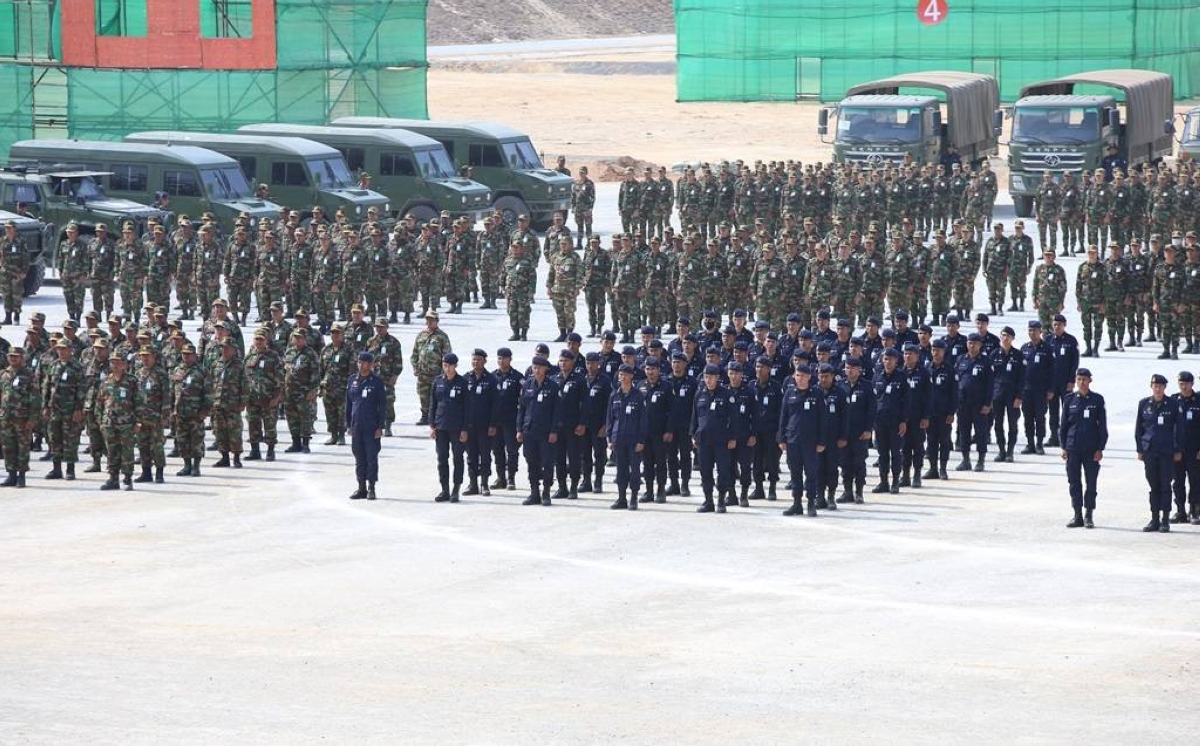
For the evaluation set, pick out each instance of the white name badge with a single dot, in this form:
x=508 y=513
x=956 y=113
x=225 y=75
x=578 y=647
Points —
x=453 y=393
x=541 y=396
x=628 y=409
x=975 y=371
x=364 y=393
x=1160 y=419
x=479 y=388
x=712 y=407
x=1087 y=414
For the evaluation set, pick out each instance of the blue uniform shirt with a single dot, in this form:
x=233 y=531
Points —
x=448 y=404
x=1189 y=422
x=974 y=381
x=711 y=414
x=595 y=402
x=483 y=411
x=943 y=394
x=1084 y=425
x=1039 y=368
x=537 y=411
x=366 y=403
x=626 y=423
x=1156 y=428
x=802 y=418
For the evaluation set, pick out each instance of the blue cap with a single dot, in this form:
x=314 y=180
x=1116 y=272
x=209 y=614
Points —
x=479 y=353
x=981 y=317
x=1156 y=378
x=712 y=370
x=1186 y=376
x=854 y=362
x=450 y=358
x=628 y=350
x=1083 y=372
x=902 y=316
x=690 y=338
x=873 y=320
x=793 y=318
x=712 y=350
x=678 y=356
x=760 y=324
x=798 y=352
x=648 y=330
x=1035 y=324
x=888 y=333
x=825 y=368
x=806 y=334
x=651 y=362
x=804 y=368
x=729 y=329
x=1008 y=331
x=1062 y=320
x=542 y=348
x=823 y=313
x=858 y=341
x=710 y=314
x=824 y=347
x=763 y=360
x=843 y=323
x=566 y=355
x=626 y=369
x=925 y=329
x=574 y=337
x=655 y=344
x=939 y=344
x=504 y=352
x=610 y=336
x=974 y=337
x=592 y=357
x=739 y=313
x=952 y=319
x=891 y=352
x=366 y=357
x=734 y=367
x=541 y=360
x=910 y=347
x=740 y=345
x=684 y=320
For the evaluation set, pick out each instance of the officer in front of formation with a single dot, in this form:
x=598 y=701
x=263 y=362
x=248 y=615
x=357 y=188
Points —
x=482 y=423
x=801 y=437
x=1157 y=438
x=975 y=388
x=1084 y=435
x=712 y=434
x=1187 y=471
x=448 y=403
x=593 y=413
x=627 y=427
x=506 y=447
x=1062 y=380
x=366 y=415
x=538 y=429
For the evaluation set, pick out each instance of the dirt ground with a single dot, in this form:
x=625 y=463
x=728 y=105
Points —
x=481 y=21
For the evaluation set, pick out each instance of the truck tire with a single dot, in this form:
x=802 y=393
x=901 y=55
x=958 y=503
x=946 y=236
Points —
x=1023 y=206
x=511 y=207
x=35 y=277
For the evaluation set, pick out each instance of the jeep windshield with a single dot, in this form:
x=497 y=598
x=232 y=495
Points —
x=1191 y=132
x=521 y=155
x=225 y=183
x=1042 y=125
x=435 y=163
x=879 y=125
x=79 y=187
x=331 y=173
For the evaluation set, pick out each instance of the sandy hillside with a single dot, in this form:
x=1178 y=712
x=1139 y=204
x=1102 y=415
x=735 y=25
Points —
x=476 y=21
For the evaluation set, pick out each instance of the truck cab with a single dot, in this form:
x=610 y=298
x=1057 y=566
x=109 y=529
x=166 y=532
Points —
x=1189 y=140
x=879 y=129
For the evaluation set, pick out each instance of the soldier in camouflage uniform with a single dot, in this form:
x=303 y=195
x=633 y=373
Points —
x=326 y=277
x=117 y=402
x=967 y=252
x=378 y=271
x=355 y=270
x=264 y=394
x=73 y=265
x=768 y=279
x=14 y=263
x=491 y=245
x=160 y=268
x=1116 y=297
x=1046 y=208
x=997 y=254
x=739 y=263
x=152 y=414
x=1049 y=287
x=1120 y=209
x=597 y=266
x=227 y=387
x=426 y=360
x=302 y=375
x=191 y=408
x=629 y=199
x=658 y=293
x=520 y=279
x=846 y=283
x=583 y=202
x=185 y=245
x=210 y=260
x=975 y=205
x=626 y=280
x=456 y=273
x=1191 y=298
x=899 y=263
x=942 y=272
x=562 y=286
x=102 y=257
x=1141 y=275
x=298 y=275
x=64 y=391
x=430 y=262
x=1070 y=213
x=239 y=271
x=1162 y=206
x=821 y=271
x=337 y=363
x=131 y=270
x=1167 y=296
x=664 y=202
x=1099 y=205
x=1089 y=294
x=688 y=197
x=270 y=278
x=647 y=203
x=1020 y=264
x=920 y=278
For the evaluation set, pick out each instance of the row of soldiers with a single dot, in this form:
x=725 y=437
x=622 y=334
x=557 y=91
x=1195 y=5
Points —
x=129 y=386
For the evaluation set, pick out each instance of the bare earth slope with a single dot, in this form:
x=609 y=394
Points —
x=481 y=21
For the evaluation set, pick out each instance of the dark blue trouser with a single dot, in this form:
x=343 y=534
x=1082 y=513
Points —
x=714 y=454
x=366 y=447
x=679 y=458
x=827 y=465
x=594 y=455
x=654 y=463
x=766 y=458
x=570 y=451
x=1083 y=491
x=888 y=444
x=938 y=439
x=854 y=464
x=539 y=460
x=1033 y=409
x=1160 y=469
x=805 y=469
x=1005 y=412
x=1187 y=474
x=505 y=448
x=628 y=466
x=914 y=448
x=972 y=428
x=447 y=442
x=479 y=453
x=742 y=461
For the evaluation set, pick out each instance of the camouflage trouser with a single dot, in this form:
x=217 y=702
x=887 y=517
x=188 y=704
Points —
x=150 y=440
x=1121 y=230
x=939 y=301
x=189 y=436
x=1168 y=329
x=185 y=293
x=265 y=294
x=564 y=310
x=996 y=286
x=335 y=414
x=627 y=310
x=898 y=301
x=1046 y=312
x=1017 y=282
x=73 y=291
x=818 y=303
x=964 y=294
x=920 y=301
x=424 y=389
x=300 y=413
x=158 y=291
x=628 y=221
x=300 y=296
x=1097 y=232
x=120 y=449
x=377 y=299
x=1116 y=322
x=737 y=298
x=239 y=296
x=583 y=224
x=687 y=305
x=771 y=311
x=131 y=297
x=227 y=430
x=64 y=437
x=430 y=292
x=323 y=303
x=596 y=299
x=351 y=293
x=1072 y=228
x=263 y=419
x=455 y=286
x=1048 y=234
x=205 y=295
x=1161 y=224
x=658 y=306
x=102 y=297
x=710 y=300
x=489 y=284
x=95 y=432
x=871 y=305
x=518 y=305
x=15 y=442
x=389 y=386
x=1092 y=319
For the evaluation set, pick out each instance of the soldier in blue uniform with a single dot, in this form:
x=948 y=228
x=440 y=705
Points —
x=833 y=408
x=956 y=342
x=975 y=384
x=943 y=403
x=802 y=439
x=891 y=409
x=860 y=424
x=990 y=341
x=610 y=359
x=1036 y=393
x=916 y=416
x=538 y=430
x=768 y=400
x=482 y=423
x=679 y=442
x=1008 y=384
x=1066 y=362
x=366 y=416
x=741 y=417
x=448 y=402
x=570 y=409
x=1187 y=471
x=1156 y=434
x=627 y=430
x=657 y=396
x=1084 y=435
x=712 y=434
x=509 y=384
x=593 y=411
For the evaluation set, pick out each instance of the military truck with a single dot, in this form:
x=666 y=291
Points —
x=498 y=156
x=36 y=240
x=1056 y=129
x=299 y=173
x=1189 y=141
x=878 y=124
x=61 y=196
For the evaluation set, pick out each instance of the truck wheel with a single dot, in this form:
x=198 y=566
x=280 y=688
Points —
x=35 y=276
x=423 y=214
x=511 y=207
x=1023 y=206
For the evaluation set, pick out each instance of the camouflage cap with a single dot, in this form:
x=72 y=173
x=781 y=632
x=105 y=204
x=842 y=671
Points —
x=147 y=350
x=189 y=349
x=101 y=344
x=62 y=344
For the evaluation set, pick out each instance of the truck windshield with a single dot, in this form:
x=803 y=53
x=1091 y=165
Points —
x=520 y=154
x=330 y=173
x=82 y=187
x=434 y=163
x=225 y=183
x=1191 y=131
x=1055 y=124
x=879 y=124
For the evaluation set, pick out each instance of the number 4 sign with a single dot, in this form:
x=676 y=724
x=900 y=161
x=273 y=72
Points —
x=932 y=12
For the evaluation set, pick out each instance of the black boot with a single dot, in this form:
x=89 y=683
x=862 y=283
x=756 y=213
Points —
x=237 y=460
x=145 y=477
x=1165 y=526
x=931 y=472
x=499 y=484
x=720 y=501
x=11 y=481
x=294 y=447
x=71 y=472
x=584 y=486
x=195 y=467
x=546 y=494
x=771 y=492
x=660 y=497
x=621 y=503
x=255 y=453
x=812 y=508
x=371 y=491
x=829 y=500
x=648 y=497
x=158 y=475
x=1001 y=456
x=1077 y=521
x=95 y=467
x=359 y=493
x=979 y=462
x=331 y=440
x=304 y=445
x=965 y=464
x=1153 y=525
x=222 y=462
x=633 y=500
x=744 y=501
x=444 y=495
x=56 y=472
x=473 y=487
x=797 y=506
x=128 y=482
x=186 y=471
x=112 y=483
x=707 y=506
x=1087 y=519
x=454 y=494
x=270 y=452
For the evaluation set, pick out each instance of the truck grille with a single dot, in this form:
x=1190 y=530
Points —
x=872 y=156
x=1043 y=160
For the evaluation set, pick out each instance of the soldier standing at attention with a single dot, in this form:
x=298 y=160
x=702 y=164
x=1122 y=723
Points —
x=482 y=422
x=627 y=428
x=270 y=279
x=802 y=438
x=185 y=267
x=597 y=265
x=1187 y=471
x=510 y=383
x=64 y=392
x=997 y=253
x=1166 y=294
x=491 y=247
x=238 y=269
x=366 y=412
x=1090 y=292
x=206 y=275
x=520 y=279
x=583 y=201
x=1070 y=213
x=160 y=268
x=538 y=429
x=1047 y=209
x=1156 y=434
x=1008 y=373
x=967 y=251
x=73 y=264
x=1116 y=297
x=102 y=258
x=20 y=405
x=448 y=404
x=975 y=390
x=227 y=379
x=628 y=199
x=1020 y=264
x=388 y=365
x=426 y=359
x=301 y=378
x=337 y=364
x=562 y=286
x=712 y=436
x=264 y=385
x=1049 y=287
x=1084 y=437
x=117 y=401
x=14 y=263
x=153 y=414
x=1036 y=393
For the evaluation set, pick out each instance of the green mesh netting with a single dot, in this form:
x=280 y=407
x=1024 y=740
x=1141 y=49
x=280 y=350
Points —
x=16 y=113
x=784 y=50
